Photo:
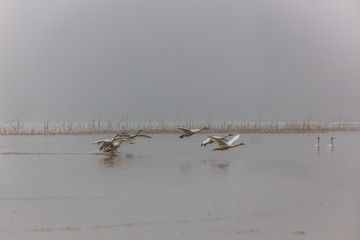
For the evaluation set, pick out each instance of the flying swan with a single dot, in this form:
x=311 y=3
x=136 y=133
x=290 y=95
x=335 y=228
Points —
x=226 y=145
x=124 y=139
x=209 y=141
x=105 y=143
x=186 y=132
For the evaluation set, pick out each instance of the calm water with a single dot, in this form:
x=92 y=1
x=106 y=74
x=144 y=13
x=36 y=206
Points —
x=278 y=186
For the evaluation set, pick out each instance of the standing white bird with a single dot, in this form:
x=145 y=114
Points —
x=331 y=144
x=226 y=145
x=186 y=132
x=318 y=143
x=210 y=141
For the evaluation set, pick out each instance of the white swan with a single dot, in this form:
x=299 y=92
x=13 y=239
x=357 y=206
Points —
x=108 y=139
x=104 y=144
x=186 y=132
x=226 y=145
x=318 y=144
x=124 y=138
x=116 y=144
x=210 y=141
x=133 y=136
x=331 y=144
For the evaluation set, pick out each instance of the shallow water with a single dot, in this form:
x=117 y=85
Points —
x=278 y=186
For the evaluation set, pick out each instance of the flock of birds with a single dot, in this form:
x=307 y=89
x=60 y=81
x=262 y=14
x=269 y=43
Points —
x=111 y=145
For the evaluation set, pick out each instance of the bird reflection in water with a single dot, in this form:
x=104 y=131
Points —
x=217 y=163
x=115 y=160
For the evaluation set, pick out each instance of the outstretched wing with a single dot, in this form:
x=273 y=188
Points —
x=233 y=139
x=101 y=141
x=206 y=141
x=144 y=136
x=218 y=141
x=184 y=130
x=119 y=142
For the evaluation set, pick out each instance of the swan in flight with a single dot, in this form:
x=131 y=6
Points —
x=318 y=144
x=133 y=136
x=226 y=145
x=210 y=141
x=117 y=143
x=186 y=132
x=331 y=144
x=104 y=144
x=124 y=139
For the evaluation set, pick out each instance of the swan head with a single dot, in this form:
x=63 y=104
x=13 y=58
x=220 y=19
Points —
x=242 y=143
x=121 y=134
x=230 y=134
x=318 y=138
x=205 y=128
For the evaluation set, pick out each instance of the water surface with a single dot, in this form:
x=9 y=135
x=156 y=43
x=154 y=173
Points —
x=278 y=186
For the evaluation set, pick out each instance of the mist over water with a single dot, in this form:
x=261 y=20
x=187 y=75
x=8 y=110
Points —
x=161 y=60
x=67 y=64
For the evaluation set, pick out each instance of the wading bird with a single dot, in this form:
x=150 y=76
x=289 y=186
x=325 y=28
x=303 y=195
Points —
x=318 y=144
x=226 y=145
x=186 y=132
x=210 y=141
x=331 y=144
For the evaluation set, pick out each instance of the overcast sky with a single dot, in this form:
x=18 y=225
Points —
x=180 y=59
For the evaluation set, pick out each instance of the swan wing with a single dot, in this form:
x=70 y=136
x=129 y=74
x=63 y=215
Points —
x=144 y=136
x=115 y=145
x=233 y=139
x=206 y=141
x=218 y=141
x=224 y=137
x=102 y=145
x=184 y=130
x=118 y=142
x=101 y=141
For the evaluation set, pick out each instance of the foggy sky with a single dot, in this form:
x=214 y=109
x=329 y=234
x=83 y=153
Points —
x=180 y=59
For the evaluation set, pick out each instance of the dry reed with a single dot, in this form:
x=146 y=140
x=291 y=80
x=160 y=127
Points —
x=109 y=127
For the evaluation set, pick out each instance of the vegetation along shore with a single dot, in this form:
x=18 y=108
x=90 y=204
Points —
x=17 y=127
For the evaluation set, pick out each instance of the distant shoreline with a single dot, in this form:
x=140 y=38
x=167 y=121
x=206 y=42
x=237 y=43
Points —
x=156 y=127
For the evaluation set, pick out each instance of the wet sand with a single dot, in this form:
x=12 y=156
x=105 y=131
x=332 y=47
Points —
x=278 y=186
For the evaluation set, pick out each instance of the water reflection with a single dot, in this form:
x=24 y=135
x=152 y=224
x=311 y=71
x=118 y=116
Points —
x=115 y=160
x=216 y=163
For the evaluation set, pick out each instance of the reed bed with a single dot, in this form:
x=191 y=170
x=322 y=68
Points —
x=109 y=127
